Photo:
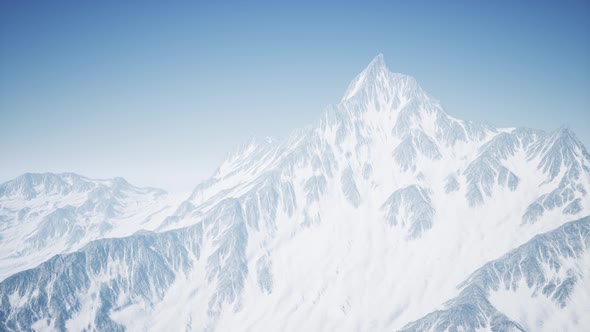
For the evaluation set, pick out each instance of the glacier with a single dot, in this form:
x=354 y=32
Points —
x=386 y=213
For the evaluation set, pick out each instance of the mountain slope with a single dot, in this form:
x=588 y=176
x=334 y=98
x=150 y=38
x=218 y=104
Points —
x=350 y=223
x=545 y=267
x=47 y=214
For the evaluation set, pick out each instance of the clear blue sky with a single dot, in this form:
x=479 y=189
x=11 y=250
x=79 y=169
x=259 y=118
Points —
x=160 y=91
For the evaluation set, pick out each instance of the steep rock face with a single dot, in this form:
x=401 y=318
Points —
x=488 y=170
x=541 y=265
x=413 y=144
x=48 y=214
x=349 y=188
x=226 y=265
x=451 y=184
x=344 y=225
x=560 y=155
x=558 y=150
x=110 y=273
x=315 y=187
x=410 y=207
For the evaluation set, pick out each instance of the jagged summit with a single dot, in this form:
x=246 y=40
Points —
x=376 y=79
x=376 y=65
x=311 y=232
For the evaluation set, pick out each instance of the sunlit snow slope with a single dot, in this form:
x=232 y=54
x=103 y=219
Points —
x=386 y=214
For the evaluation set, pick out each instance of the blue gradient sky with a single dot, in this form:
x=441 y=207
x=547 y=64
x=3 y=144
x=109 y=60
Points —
x=159 y=93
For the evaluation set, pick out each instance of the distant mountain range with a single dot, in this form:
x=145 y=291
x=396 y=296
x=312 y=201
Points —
x=385 y=214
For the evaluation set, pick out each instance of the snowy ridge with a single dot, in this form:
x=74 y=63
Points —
x=540 y=265
x=344 y=225
x=47 y=214
x=104 y=274
x=560 y=154
x=487 y=170
x=410 y=205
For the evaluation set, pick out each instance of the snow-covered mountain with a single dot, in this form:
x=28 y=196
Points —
x=42 y=215
x=386 y=214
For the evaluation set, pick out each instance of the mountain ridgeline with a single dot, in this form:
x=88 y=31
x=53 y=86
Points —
x=385 y=214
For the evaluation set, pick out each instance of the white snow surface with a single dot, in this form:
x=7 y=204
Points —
x=374 y=218
x=47 y=214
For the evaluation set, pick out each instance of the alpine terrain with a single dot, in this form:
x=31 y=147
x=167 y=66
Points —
x=387 y=214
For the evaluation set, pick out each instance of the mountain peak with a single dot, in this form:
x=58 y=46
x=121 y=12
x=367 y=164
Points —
x=565 y=131
x=376 y=68
x=385 y=179
x=378 y=63
x=377 y=78
x=565 y=138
